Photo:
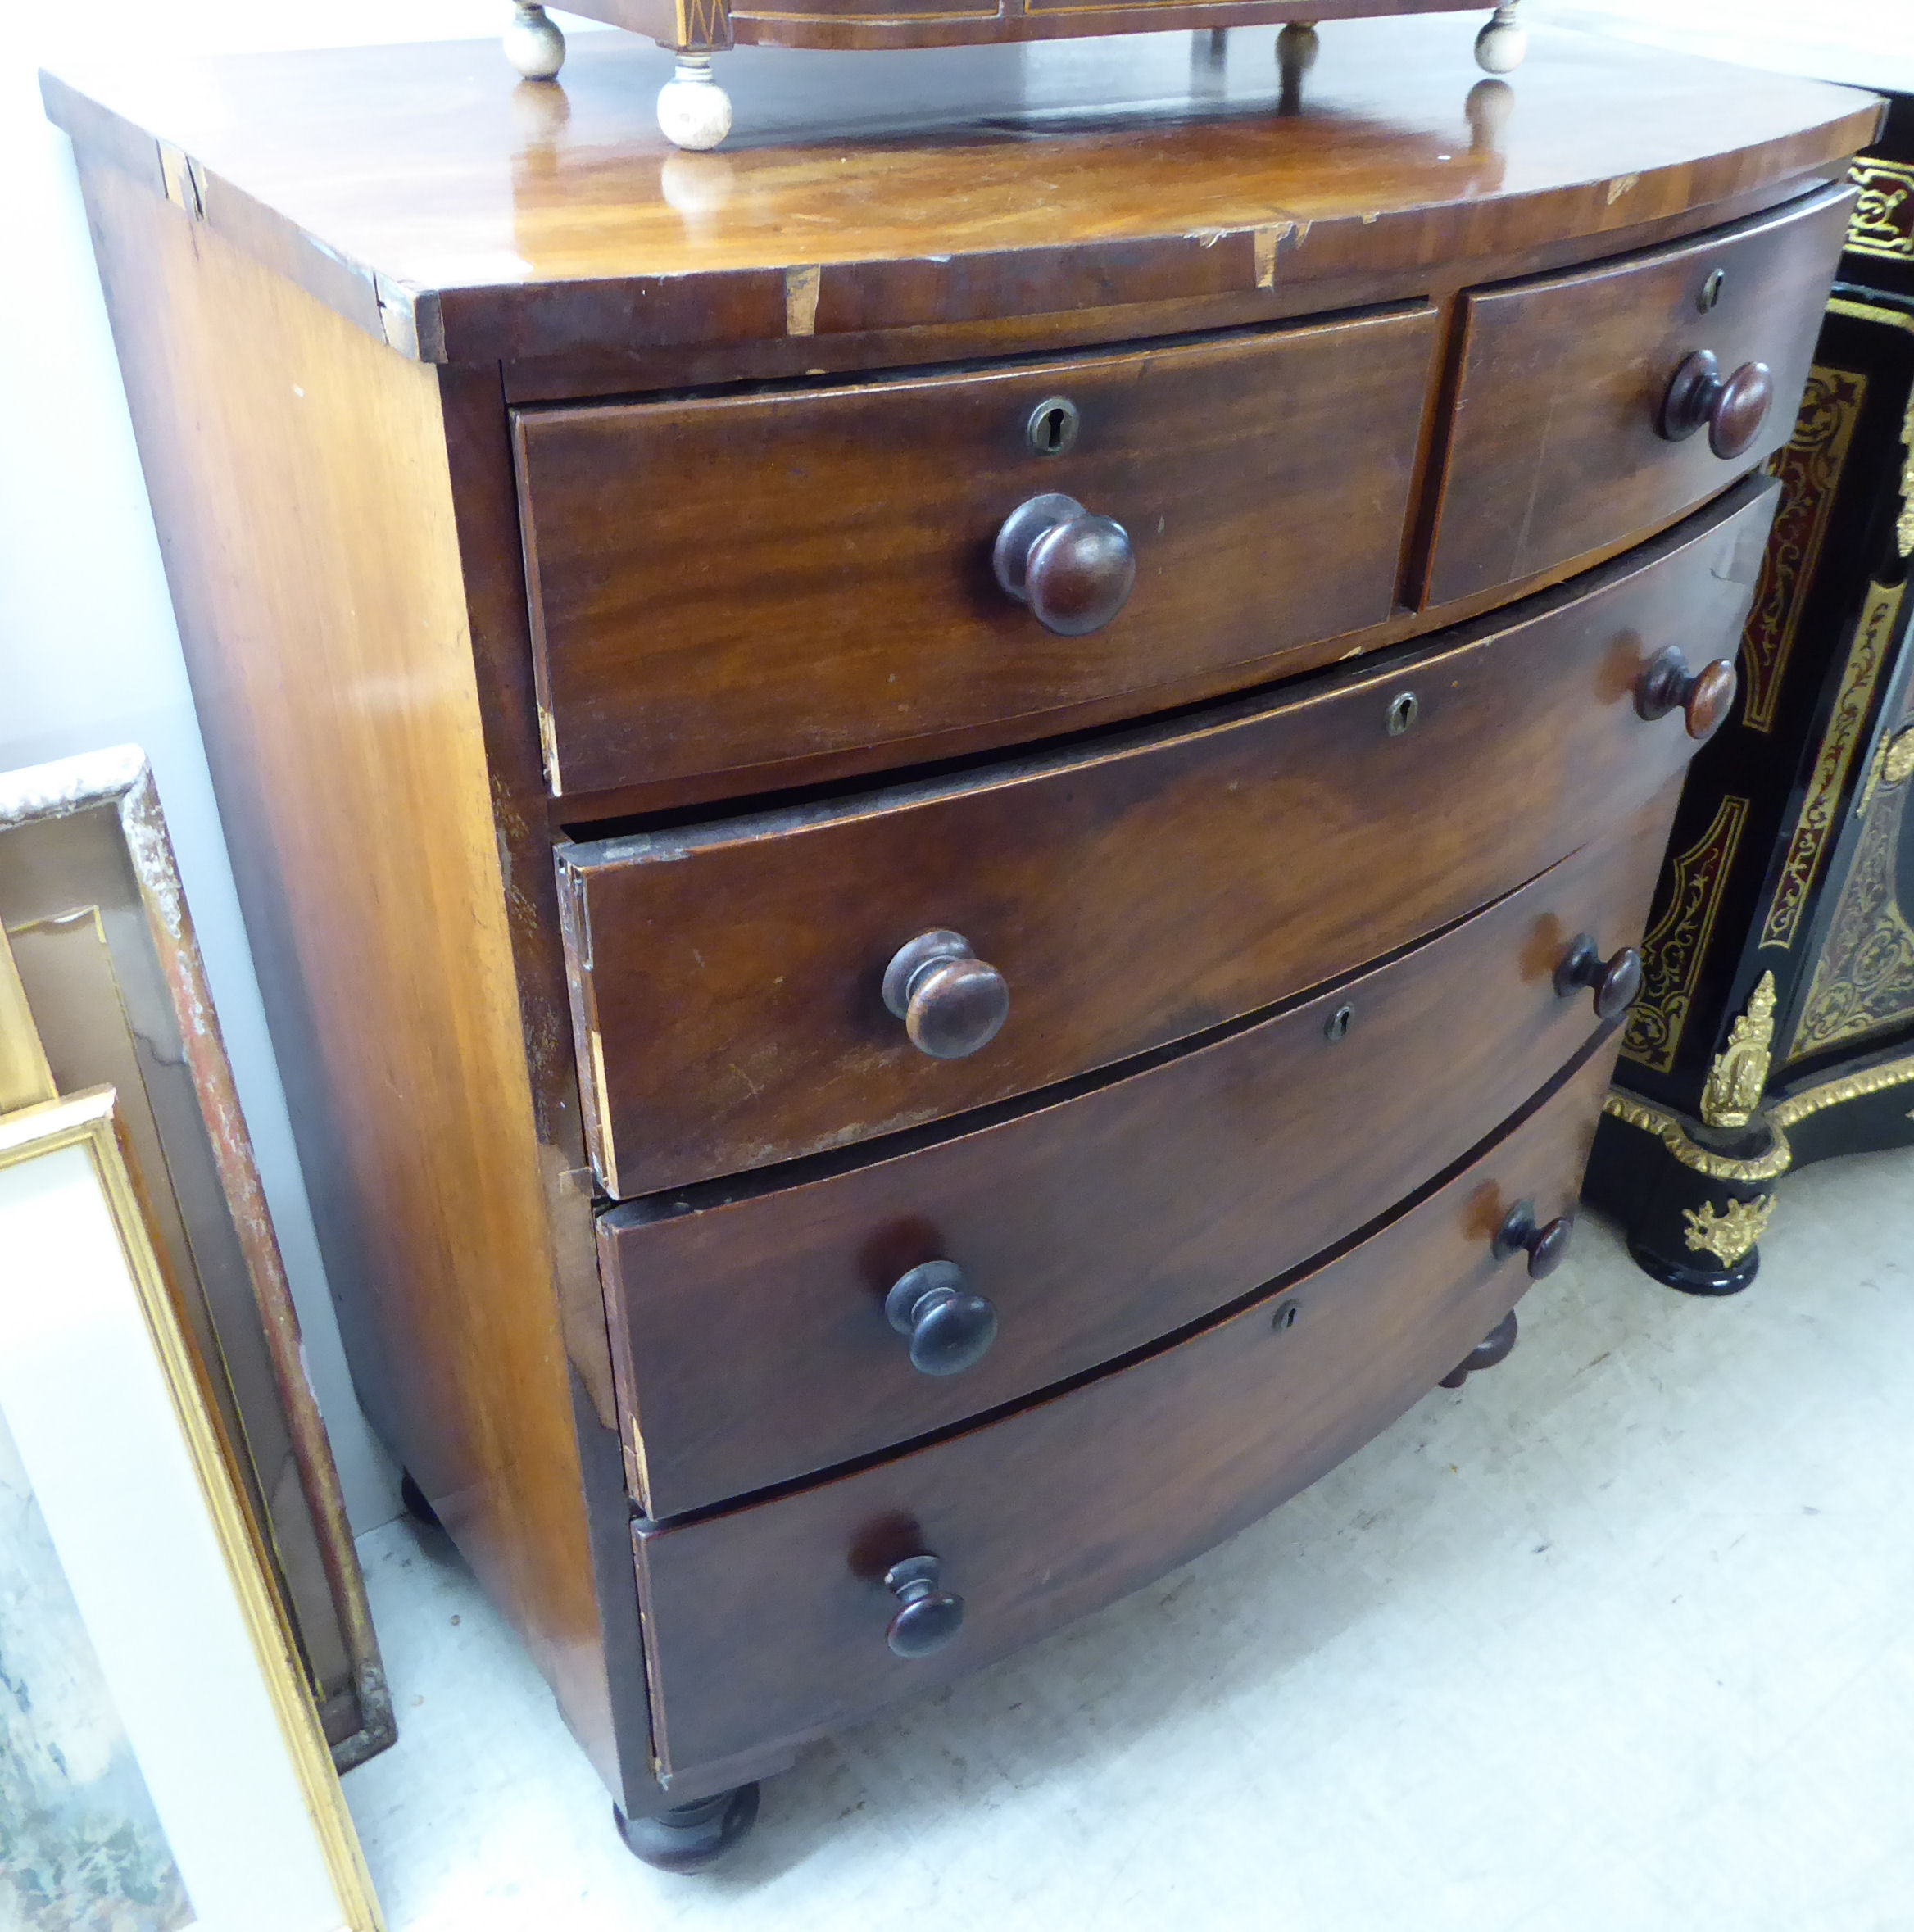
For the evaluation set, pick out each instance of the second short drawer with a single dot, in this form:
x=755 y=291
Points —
x=759 y=988
x=764 y=1333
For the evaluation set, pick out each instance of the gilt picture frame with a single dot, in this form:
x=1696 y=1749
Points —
x=108 y=981
x=162 y=1762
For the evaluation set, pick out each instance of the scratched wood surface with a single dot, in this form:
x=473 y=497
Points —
x=429 y=197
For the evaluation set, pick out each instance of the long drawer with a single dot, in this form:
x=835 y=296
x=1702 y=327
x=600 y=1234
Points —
x=720 y=582
x=739 y=987
x=768 y=1624
x=749 y=1323
x=1561 y=442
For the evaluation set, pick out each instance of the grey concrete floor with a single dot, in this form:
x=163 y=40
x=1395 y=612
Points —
x=1620 y=1636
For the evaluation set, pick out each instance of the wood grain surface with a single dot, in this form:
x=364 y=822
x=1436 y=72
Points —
x=728 y=976
x=1555 y=447
x=730 y=581
x=752 y=1342
x=767 y=1623
x=298 y=475
x=437 y=203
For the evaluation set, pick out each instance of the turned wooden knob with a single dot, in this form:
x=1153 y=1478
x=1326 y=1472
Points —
x=950 y=1329
x=1546 y=1243
x=1615 y=982
x=1733 y=407
x=1703 y=697
x=950 y=1001
x=929 y=1618
x=1074 y=570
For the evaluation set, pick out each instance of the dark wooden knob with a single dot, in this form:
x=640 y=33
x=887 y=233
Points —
x=929 y=1618
x=1616 y=981
x=1074 y=570
x=1546 y=1242
x=1703 y=697
x=950 y=1329
x=950 y=1001
x=1733 y=407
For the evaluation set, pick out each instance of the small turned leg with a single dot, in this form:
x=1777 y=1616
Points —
x=1500 y=45
x=1493 y=1347
x=691 y=1836
x=693 y=111
x=532 y=42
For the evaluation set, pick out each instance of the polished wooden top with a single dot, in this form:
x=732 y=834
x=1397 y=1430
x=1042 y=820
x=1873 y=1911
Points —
x=464 y=215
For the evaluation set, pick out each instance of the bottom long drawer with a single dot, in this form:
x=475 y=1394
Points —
x=767 y=1624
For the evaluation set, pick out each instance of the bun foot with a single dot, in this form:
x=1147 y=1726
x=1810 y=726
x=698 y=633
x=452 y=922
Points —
x=1500 y=45
x=532 y=42
x=691 y=1836
x=693 y=111
x=1724 y=1278
x=1493 y=1347
x=415 y=1504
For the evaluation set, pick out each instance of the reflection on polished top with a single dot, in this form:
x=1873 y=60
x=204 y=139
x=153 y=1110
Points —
x=406 y=185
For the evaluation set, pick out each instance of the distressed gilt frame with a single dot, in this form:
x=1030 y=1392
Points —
x=119 y=782
x=89 y=1120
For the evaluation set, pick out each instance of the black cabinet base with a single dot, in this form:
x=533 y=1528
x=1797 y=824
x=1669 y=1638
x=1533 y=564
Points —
x=691 y=1836
x=1695 y=1280
x=1693 y=1202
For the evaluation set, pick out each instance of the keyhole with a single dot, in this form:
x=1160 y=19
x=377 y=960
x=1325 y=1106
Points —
x=1336 y=1027
x=1403 y=708
x=1053 y=426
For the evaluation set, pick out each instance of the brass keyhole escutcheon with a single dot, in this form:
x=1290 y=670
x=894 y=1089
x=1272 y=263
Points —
x=1053 y=426
x=1711 y=290
x=1403 y=708
x=1336 y=1027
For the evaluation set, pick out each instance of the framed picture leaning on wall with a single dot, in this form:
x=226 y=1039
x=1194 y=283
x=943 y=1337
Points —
x=115 y=992
x=161 y=1764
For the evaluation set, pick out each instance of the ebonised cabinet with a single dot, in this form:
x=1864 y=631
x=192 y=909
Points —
x=1777 y=1026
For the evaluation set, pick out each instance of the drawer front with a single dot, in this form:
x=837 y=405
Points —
x=754 y=1346
x=729 y=979
x=768 y=1624
x=721 y=583
x=1554 y=448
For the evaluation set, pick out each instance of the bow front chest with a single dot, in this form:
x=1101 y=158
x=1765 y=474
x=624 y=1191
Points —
x=945 y=817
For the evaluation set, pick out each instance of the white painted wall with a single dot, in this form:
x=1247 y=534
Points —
x=88 y=653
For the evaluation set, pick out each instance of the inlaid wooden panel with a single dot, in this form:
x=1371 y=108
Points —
x=728 y=976
x=767 y=1623
x=1554 y=449
x=731 y=581
x=753 y=1343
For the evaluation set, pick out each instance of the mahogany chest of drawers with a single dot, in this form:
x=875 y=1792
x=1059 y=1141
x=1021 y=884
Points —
x=945 y=828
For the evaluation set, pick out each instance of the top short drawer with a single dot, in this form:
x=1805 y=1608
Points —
x=744 y=990
x=724 y=582
x=1556 y=447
